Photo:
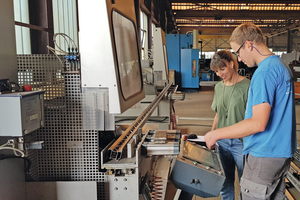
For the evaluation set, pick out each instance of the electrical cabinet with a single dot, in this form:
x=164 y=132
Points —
x=21 y=113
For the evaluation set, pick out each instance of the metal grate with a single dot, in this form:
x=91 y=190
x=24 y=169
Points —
x=70 y=153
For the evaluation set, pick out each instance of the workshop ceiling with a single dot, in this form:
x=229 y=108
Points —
x=220 y=17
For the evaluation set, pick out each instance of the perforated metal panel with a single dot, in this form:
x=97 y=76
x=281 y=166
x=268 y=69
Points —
x=70 y=153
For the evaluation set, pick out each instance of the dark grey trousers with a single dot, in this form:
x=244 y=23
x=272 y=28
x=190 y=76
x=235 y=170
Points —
x=264 y=178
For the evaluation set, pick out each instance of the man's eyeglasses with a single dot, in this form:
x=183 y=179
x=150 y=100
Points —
x=237 y=52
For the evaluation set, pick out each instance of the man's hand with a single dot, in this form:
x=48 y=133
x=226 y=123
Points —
x=210 y=140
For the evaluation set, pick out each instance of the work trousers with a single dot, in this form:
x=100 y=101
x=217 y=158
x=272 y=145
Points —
x=264 y=178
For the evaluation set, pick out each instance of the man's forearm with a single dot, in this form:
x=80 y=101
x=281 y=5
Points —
x=257 y=123
x=239 y=130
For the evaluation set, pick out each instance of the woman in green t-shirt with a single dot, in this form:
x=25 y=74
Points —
x=229 y=103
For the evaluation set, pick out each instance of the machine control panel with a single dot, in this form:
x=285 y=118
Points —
x=198 y=171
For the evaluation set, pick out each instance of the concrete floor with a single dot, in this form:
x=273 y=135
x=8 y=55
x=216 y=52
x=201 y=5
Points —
x=197 y=107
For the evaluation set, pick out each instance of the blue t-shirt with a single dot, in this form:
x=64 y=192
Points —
x=272 y=83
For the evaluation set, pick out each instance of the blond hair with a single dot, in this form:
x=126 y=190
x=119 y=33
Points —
x=247 y=32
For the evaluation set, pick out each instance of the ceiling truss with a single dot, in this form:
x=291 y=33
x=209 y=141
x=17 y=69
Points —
x=210 y=17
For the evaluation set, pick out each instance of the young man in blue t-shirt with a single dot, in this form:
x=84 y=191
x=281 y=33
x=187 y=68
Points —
x=269 y=127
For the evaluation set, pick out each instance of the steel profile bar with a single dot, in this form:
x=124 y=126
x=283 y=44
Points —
x=117 y=147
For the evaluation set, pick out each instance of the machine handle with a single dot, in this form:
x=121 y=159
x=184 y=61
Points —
x=195 y=181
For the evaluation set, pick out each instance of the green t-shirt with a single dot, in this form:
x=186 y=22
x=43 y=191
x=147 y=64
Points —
x=233 y=99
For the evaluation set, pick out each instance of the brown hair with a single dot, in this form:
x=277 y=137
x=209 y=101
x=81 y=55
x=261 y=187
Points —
x=247 y=32
x=222 y=59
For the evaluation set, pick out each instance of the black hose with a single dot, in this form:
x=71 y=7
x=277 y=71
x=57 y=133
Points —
x=27 y=161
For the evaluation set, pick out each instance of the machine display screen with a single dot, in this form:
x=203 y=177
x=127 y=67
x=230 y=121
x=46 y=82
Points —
x=199 y=154
x=127 y=55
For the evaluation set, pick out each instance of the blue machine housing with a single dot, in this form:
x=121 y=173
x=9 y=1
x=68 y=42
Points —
x=190 y=68
x=186 y=41
x=173 y=53
x=183 y=73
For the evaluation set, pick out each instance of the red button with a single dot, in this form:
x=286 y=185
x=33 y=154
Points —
x=27 y=88
x=184 y=137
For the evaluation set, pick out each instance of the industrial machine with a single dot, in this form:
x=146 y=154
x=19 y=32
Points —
x=127 y=162
x=110 y=53
x=144 y=170
x=86 y=153
x=183 y=56
x=155 y=76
